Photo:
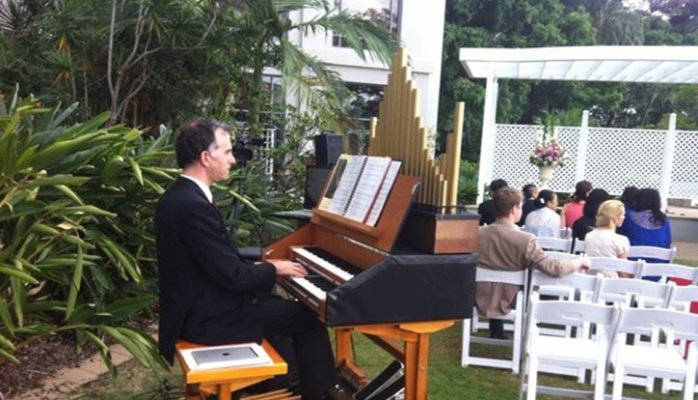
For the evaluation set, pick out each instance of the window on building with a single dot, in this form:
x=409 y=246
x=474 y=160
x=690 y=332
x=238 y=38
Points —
x=383 y=12
x=363 y=102
x=272 y=86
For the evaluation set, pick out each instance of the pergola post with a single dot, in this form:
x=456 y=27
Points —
x=582 y=146
x=668 y=161
x=488 y=135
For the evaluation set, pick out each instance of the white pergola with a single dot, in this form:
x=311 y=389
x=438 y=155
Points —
x=631 y=64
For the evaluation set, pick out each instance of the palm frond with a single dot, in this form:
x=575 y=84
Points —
x=364 y=36
x=308 y=77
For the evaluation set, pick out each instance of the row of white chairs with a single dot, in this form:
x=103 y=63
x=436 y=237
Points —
x=609 y=348
x=575 y=287
x=661 y=272
x=576 y=246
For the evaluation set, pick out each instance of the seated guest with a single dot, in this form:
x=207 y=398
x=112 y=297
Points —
x=588 y=220
x=530 y=192
x=604 y=241
x=503 y=246
x=628 y=197
x=573 y=210
x=646 y=224
x=486 y=208
x=544 y=221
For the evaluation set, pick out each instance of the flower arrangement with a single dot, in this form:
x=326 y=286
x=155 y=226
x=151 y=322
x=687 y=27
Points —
x=548 y=152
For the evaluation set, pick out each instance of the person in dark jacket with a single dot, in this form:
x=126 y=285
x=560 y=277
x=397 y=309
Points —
x=587 y=222
x=486 y=208
x=530 y=192
x=208 y=293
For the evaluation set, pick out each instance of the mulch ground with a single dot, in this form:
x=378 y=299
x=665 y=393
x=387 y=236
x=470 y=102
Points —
x=37 y=361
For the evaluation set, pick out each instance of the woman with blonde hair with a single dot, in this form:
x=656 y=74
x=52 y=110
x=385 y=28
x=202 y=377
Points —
x=604 y=241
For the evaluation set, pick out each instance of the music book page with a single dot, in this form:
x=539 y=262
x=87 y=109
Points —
x=382 y=196
x=367 y=188
x=333 y=182
x=347 y=183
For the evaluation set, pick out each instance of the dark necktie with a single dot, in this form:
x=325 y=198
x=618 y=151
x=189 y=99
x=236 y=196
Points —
x=215 y=205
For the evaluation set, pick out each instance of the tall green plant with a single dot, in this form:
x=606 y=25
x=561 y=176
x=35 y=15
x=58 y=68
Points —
x=264 y=32
x=76 y=244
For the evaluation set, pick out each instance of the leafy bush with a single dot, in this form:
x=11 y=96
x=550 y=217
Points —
x=467 y=182
x=76 y=242
x=280 y=192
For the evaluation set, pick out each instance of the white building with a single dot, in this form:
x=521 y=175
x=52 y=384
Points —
x=420 y=25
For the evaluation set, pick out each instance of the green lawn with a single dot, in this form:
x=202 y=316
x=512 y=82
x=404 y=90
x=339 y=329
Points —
x=447 y=379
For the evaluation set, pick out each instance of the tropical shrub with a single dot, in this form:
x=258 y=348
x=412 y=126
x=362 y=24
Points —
x=76 y=242
x=281 y=191
x=467 y=182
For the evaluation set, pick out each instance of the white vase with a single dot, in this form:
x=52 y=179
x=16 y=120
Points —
x=545 y=174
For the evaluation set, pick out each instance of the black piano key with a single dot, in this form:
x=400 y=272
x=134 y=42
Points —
x=332 y=259
x=320 y=282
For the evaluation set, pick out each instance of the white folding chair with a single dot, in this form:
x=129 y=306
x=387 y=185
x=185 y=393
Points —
x=541 y=230
x=611 y=267
x=578 y=246
x=554 y=244
x=680 y=300
x=516 y=316
x=565 y=233
x=682 y=297
x=661 y=360
x=572 y=287
x=566 y=352
x=561 y=256
x=664 y=271
x=630 y=292
x=643 y=294
x=660 y=253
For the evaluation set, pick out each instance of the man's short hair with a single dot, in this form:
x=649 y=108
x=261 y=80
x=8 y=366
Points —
x=194 y=137
x=498 y=184
x=505 y=199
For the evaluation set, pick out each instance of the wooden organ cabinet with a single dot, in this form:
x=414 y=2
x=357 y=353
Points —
x=363 y=279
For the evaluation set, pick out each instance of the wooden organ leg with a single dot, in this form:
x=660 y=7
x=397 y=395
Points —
x=415 y=350
x=343 y=342
x=416 y=362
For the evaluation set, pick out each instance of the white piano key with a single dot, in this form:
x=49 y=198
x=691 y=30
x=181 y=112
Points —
x=311 y=288
x=324 y=264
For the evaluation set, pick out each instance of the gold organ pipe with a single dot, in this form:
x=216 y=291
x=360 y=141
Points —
x=455 y=152
x=399 y=134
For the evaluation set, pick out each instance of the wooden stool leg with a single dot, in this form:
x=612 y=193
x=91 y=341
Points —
x=192 y=392
x=225 y=391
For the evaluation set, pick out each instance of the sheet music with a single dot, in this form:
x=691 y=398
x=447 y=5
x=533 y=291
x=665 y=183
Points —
x=366 y=189
x=333 y=182
x=390 y=177
x=347 y=183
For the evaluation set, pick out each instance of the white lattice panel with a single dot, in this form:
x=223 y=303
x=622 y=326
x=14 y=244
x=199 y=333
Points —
x=684 y=173
x=513 y=145
x=615 y=159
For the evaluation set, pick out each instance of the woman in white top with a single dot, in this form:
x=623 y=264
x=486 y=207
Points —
x=544 y=221
x=604 y=241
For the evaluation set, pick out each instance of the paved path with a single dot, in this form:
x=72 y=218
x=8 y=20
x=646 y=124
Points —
x=65 y=381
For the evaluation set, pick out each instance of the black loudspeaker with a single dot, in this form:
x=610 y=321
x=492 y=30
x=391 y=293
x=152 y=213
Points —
x=314 y=182
x=327 y=149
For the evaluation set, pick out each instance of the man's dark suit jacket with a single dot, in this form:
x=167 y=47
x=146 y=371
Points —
x=528 y=206
x=207 y=292
x=486 y=211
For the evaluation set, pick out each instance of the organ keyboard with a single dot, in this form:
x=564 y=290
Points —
x=359 y=279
